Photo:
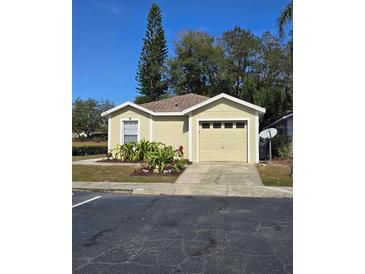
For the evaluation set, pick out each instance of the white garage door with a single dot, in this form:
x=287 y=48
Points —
x=223 y=141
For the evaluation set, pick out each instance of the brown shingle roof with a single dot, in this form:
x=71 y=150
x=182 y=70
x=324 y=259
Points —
x=176 y=103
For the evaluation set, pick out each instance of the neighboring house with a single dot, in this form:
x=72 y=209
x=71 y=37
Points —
x=284 y=125
x=221 y=128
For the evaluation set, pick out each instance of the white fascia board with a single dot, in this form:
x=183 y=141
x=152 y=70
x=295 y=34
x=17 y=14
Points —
x=140 y=108
x=226 y=96
x=215 y=98
x=127 y=104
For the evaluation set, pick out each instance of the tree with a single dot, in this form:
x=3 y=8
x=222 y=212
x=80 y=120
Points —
x=285 y=18
x=150 y=74
x=86 y=116
x=240 y=52
x=273 y=74
x=196 y=66
x=104 y=106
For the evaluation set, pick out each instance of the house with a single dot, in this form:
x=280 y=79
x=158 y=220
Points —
x=284 y=125
x=221 y=128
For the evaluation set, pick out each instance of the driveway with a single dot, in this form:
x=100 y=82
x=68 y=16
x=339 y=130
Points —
x=181 y=234
x=221 y=173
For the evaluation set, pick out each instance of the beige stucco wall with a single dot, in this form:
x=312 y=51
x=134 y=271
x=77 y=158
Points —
x=129 y=113
x=172 y=130
x=225 y=109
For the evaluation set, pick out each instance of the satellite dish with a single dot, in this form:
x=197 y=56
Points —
x=268 y=133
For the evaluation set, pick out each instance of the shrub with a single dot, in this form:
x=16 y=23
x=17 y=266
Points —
x=286 y=151
x=154 y=154
x=282 y=144
x=161 y=158
x=88 y=150
x=134 y=151
x=99 y=137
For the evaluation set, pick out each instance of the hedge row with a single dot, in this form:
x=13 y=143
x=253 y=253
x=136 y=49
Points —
x=89 y=150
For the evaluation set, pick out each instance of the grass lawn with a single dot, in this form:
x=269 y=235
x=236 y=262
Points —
x=77 y=158
x=80 y=144
x=115 y=174
x=275 y=175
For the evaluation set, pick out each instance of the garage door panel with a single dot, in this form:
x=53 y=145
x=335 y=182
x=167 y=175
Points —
x=223 y=144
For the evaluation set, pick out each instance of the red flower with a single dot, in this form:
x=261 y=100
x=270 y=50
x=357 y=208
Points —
x=181 y=149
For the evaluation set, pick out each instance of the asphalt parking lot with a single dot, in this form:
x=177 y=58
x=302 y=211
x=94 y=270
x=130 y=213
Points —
x=117 y=233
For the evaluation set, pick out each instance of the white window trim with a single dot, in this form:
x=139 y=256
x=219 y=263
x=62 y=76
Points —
x=122 y=129
x=222 y=120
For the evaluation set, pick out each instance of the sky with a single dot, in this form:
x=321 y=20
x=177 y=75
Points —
x=107 y=36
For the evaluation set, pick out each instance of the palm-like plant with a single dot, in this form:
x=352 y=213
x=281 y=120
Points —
x=155 y=154
x=161 y=158
x=286 y=16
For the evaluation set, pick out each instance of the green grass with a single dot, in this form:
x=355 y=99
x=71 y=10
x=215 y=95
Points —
x=275 y=175
x=77 y=158
x=115 y=174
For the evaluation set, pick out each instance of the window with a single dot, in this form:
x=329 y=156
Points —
x=228 y=125
x=217 y=125
x=240 y=125
x=130 y=131
x=205 y=125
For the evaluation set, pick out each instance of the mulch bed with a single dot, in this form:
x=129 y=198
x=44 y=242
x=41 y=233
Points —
x=115 y=161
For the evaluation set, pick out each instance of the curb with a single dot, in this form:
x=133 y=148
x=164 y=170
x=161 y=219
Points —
x=104 y=190
x=137 y=191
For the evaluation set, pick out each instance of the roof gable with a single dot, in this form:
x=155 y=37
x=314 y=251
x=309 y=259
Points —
x=229 y=97
x=181 y=105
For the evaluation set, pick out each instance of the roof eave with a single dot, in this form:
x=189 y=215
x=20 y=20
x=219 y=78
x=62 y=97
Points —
x=229 y=97
x=259 y=109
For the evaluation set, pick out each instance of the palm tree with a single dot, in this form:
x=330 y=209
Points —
x=286 y=16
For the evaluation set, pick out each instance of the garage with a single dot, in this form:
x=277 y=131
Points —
x=223 y=141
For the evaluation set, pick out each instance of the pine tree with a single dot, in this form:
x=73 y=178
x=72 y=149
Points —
x=151 y=65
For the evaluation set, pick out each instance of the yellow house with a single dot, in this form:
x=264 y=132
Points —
x=221 y=128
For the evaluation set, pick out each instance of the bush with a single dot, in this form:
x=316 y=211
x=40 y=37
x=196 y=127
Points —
x=134 y=151
x=154 y=155
x=282 y=146
x=89 y=150
x=99 y=137
x=286 y=151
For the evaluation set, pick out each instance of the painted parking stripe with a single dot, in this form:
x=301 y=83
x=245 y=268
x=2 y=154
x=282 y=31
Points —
x=280 y=190
x=84 y=202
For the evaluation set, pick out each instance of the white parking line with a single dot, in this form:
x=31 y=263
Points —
x=278 y=189
x=84 y=202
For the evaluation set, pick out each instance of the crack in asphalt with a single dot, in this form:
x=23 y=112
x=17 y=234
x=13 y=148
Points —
x=206 y=243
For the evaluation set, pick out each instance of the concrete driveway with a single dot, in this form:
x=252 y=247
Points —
x=221 y=173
